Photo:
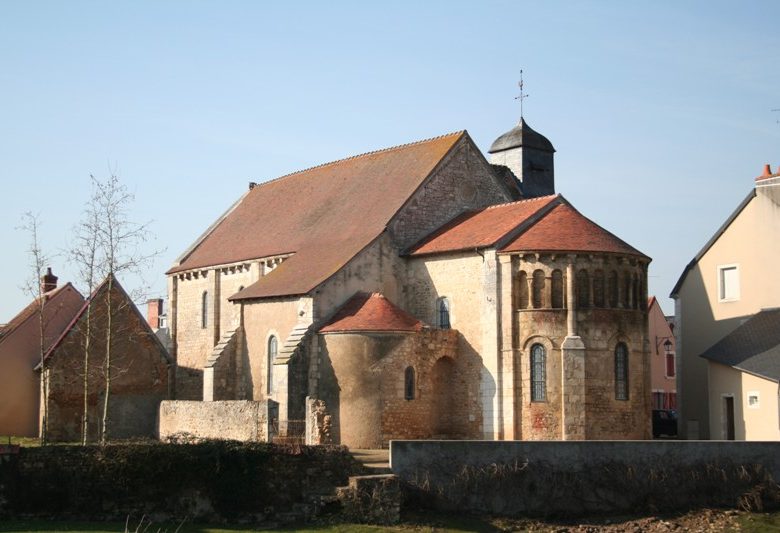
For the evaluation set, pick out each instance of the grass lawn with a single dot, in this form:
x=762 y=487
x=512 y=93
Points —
x=756 y=522
x=27 y=442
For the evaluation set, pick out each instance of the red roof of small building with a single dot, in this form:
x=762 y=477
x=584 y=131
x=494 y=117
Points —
x=484 y=227
x=564 y=229
x=371 y=312
x=51 y=298
x=324 y=216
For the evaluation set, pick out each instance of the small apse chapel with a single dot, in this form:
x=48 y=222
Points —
x=420 y=291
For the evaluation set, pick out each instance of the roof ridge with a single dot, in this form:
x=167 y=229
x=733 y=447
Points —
x=364 y=154
x=524 y=200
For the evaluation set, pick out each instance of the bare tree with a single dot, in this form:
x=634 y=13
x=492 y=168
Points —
x=31 y=224
x=85 y=252
x=120 y=247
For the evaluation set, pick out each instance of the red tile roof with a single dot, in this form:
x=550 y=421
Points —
x=564 y=229
x=324 y=215
x=370 y=312
x=484 y=227
x=51 y=298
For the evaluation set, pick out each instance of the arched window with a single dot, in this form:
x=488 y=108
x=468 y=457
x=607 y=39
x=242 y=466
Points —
x=621 y=371
x=538 y=289
x=444 y=313
x=598 y=288
x=522 y=290
x=538 y=373
x=556 y=296
x=626 y=290
x=409 y=383
x=273 y=347
x=613 y=289
x=583 y=289
x=204 y=309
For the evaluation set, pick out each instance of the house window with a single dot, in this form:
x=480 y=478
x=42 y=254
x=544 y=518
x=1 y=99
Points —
x=444 y=313
x=752 y=400
x=273 y=347
x=669 y=364
x=538 y=289
x=621 y=371
x=522 y=290
x=538 y=373
x=583 y=289
x=728 y=283
x=557 y=289
x=409 y=383
x=204 y=309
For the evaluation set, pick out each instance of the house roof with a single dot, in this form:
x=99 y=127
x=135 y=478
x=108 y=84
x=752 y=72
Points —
x=564 y=229
x=753 y=347
x=324 y=216
x=51 y=297
x=117 y=287
x=368 y=312
x=483 y=227
x=721 y=230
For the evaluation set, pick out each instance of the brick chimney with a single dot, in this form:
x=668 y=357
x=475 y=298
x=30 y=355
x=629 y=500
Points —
x=768 y=173
x=154 y=308
x=48 y=281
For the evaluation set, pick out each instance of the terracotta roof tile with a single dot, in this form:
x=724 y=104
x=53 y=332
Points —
x=324 y=215
x=482 y=228
x=564 y=229
x=32 y=308
x=370 y=312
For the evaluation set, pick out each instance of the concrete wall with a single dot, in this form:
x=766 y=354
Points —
x=225 y=420
x=756 y=422
x=584 y=477
x=751 y=243
x=20 y=352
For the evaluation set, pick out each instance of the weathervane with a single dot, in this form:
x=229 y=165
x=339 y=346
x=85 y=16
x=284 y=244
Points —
x=522 y=96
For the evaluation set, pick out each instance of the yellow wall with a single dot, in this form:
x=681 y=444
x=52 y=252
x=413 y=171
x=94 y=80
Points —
x=751 y=243
x=761 y=422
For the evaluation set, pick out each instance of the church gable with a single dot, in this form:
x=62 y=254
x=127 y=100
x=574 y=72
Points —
x=463 y=181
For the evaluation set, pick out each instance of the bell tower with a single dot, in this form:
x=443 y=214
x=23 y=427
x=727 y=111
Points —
x=529 y=155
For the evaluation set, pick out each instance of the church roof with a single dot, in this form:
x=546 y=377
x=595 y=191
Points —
x=483 y=227
x=367 y=312
x=324 y=216
x=521 y=135
x=753 y=347
x=564 y=229
x=543 y=224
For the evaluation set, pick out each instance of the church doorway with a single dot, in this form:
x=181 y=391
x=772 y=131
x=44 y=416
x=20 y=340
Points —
x=443 y=377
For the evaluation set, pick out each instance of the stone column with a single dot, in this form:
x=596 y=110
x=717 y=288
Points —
x=506 y=347
x=572 y=368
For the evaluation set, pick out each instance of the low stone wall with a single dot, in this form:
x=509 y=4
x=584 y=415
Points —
x=240 y=420
x=581 y=477
x=210 y=481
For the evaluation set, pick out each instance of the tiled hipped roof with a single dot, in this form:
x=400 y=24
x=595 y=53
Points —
x=324 y=216
x=370 y=312
x=544 y=224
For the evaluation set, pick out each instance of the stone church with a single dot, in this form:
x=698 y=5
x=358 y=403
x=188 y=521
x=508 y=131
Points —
x=419 y=291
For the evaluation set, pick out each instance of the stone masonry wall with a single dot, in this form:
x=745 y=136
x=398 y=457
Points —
x=230 y=420
x=463 y=181
x=363 y=386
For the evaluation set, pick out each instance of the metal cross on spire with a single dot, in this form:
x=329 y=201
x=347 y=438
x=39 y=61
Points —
x=522 y=96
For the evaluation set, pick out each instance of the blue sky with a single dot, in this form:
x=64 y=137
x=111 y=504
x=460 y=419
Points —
x=660 y=111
